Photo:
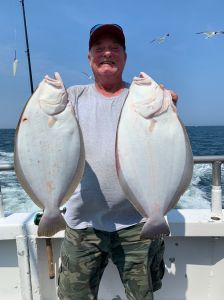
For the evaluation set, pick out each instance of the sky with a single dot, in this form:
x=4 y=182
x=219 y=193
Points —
x=58 y=33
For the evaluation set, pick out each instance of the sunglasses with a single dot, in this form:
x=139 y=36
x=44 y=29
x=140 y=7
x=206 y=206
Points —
x=99 y=25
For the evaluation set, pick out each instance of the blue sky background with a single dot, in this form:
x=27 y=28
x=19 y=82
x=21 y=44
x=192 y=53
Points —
x=58 y=34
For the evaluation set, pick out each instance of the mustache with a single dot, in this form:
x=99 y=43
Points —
x=107 y=61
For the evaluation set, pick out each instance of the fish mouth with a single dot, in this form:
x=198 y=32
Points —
x=142 y=79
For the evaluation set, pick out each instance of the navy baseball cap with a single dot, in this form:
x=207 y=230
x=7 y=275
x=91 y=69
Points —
x=112 y=29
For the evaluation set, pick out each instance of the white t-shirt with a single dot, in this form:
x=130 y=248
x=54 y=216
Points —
x=99 y=201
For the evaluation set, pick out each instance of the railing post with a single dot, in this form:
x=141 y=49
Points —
x=216 y=193
x=1 y=204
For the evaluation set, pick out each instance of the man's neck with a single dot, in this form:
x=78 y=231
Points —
x=110 y=89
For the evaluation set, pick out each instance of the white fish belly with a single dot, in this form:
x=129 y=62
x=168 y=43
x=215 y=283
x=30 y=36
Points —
x=49 y=155
x=154 y=160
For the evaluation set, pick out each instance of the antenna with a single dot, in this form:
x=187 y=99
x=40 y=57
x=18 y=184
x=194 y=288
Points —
x=27 y=46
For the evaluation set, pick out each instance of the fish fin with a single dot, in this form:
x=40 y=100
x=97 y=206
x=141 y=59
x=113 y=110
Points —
x=51 y=121
x=152 y=124
x=48 y=226
x=155 y=228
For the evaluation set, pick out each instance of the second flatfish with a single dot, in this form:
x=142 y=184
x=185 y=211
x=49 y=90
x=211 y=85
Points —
x=153 y=154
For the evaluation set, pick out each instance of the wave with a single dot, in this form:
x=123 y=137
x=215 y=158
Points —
x=6 y=157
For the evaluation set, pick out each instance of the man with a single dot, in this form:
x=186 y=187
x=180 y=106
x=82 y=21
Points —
x=102 y=223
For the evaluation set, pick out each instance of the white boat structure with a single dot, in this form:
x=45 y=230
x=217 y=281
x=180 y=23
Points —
x=194 y=254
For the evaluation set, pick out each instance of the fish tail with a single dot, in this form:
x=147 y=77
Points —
x=155 y=228
x=51 y=224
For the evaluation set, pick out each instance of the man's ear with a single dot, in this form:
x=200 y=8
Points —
x=125 y=55
x=89 y=57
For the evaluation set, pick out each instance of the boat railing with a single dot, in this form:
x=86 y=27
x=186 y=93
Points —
x=216 y=189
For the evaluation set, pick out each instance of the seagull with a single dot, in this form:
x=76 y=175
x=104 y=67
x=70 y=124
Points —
x=90 y=77
x=161 y=39
x=209 y=34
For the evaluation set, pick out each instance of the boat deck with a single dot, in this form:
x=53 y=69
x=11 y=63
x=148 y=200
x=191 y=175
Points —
x=193 y=256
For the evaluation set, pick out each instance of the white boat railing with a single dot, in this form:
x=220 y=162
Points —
x=216 y=189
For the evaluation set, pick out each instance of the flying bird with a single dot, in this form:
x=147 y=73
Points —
x=209 y=34
x=90 y=77
x=161 y=39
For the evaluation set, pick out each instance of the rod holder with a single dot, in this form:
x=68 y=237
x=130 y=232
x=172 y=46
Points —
x=216 y=209
x=216 y=192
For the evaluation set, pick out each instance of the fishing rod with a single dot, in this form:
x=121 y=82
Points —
x=51 y=271
x=27 y=46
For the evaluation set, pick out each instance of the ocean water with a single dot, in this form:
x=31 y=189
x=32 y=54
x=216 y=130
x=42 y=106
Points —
x=205 y=140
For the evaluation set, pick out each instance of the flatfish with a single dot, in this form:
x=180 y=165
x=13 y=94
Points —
x=49 y=152
x=153 y=154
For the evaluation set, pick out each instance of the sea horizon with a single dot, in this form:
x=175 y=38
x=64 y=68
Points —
x=10 y=128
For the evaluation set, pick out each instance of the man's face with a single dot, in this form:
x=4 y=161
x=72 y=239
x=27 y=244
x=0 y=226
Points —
x=107 y=57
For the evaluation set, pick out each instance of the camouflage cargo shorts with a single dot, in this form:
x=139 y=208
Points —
x=85 y=254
